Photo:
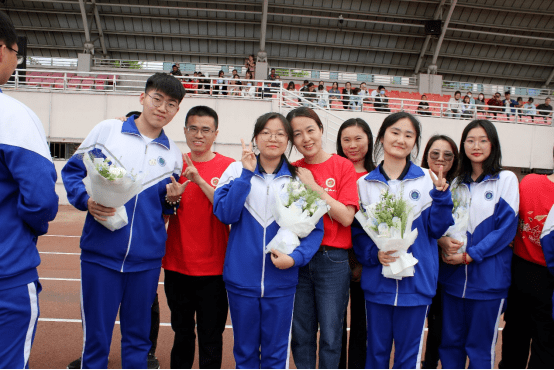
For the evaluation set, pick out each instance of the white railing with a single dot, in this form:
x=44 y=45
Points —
x=489 y=89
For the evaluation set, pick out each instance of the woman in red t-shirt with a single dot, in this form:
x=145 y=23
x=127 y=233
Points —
x=322 y=291
x=355 y=142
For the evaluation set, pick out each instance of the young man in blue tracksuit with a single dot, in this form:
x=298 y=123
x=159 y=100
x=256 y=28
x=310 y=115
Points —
x=28 y=201
x=261 y=287
x=396 y=309
x=120 y=269
x=475 y=283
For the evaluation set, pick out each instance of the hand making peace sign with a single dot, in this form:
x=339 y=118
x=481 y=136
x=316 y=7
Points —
x=440 y=182
x=174 y=190
x=248 y=158
x=191 y=172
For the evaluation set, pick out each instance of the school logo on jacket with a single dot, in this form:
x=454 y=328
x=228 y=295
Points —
x=161 y=162
x=214 y=181
x=415 y=195
x=488 y=195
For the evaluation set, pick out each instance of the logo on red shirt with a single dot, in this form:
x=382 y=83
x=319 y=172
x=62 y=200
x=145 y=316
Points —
x=330 y=183
x=214 y=181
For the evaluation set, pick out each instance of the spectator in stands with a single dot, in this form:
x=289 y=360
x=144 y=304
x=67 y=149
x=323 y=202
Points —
x=276 y=84
x=509 y=103
x=529 y=109
x=423 y=107
x=221 y=84
x=467 y=108
x=311 y=95
x=377 y=91
x=322 y=97
x=455 y=106
x=249 y=75
x=235 y=73
x=480 y=103
x=355 y=100
x=494 y=105
x=520 y=102
x=304 y=87
x=381 y=101
x=471 y=99
x=271 y=76
x=321 y=83
x=234 y=86
x=250 y=64
x=364 y=93
x=175 y=71
x=545 y=110
x=291 y=97
x=334 y=93
x=346 y=92
x=291 y=86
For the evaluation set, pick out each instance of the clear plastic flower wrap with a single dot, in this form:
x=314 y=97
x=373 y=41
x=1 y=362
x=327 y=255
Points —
x=297 y=210
x=110 y=186
x=460 y=213
x=388 y=223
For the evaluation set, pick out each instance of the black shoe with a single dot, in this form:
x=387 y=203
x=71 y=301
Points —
x=152 y=362
x=75 y=364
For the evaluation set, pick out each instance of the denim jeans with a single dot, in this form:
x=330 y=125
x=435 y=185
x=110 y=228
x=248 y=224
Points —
x=321 y=298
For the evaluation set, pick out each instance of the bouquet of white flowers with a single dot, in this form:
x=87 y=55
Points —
x=297 y=209
x=388 y=223
x=110 y=186
x=460 y=213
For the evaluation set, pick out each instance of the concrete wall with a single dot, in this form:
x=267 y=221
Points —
x=70 y=117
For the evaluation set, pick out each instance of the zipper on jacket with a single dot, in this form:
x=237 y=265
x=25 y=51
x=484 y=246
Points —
x=263 y=252
x=130 y=234
x=396 y=297
x=469 y=242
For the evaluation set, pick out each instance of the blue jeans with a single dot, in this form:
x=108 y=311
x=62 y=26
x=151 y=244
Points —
x=321 y=298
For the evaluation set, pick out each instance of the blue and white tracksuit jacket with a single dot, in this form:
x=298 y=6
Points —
x=400 y=306
x=28 y=201
x=140 y=245
x=474 y=295
x=260 y=294
x=547 y=243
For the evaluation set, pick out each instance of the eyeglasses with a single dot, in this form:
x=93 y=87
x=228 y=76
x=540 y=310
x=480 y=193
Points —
x=194 y=130
x=435 y=154
x=481 y=143
x=20 y=57
x=279 y=136
x=170 y=106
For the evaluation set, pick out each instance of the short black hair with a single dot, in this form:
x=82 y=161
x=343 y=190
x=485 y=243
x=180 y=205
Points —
x=7 y=30
x=380 y=87
x=133 y=113
x=507 y=93
x=272 y=69
x=202 y=111
x=167 y=84
x=306 y=81
x=457 y=92
x=530 y=99
x=310 y=84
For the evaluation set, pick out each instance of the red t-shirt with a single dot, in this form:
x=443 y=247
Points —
x=338 y=177
x=536 y=197
x=196 y=239
x=361 y=174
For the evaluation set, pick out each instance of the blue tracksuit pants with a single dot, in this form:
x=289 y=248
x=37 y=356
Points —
x=19 y=314
x=261 y=330
x=403 y=325
x=104 y=292
x=469 y=329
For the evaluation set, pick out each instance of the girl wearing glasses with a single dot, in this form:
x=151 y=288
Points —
x=440 y=150
x=355 y=142
x=475 y=283
x=261 y=287
x=396 y=309
x=322 y=292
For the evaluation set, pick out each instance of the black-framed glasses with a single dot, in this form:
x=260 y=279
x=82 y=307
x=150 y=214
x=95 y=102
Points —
x=20 y=57
x=170 y=106
x=435 y=154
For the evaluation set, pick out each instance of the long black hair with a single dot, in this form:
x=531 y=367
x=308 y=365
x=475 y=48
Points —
x=260 y=125
x=493 y=164
x=369 y=165
x=451 y=174
x=390 y=120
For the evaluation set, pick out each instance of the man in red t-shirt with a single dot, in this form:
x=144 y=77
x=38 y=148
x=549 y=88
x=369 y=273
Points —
x=195 y=250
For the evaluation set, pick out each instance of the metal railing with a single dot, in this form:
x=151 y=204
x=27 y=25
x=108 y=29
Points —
x=489 y=89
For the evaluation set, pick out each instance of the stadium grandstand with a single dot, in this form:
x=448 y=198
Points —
x=88 y=60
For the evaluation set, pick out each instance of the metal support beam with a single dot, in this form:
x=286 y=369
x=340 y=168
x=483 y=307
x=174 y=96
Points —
x=437 y=16
x=550 y=77
x=261 y=60
x=89 y=47
x=99 y=27
x=433 y=66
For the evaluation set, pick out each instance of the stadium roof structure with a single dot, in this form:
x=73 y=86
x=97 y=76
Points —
x=507 y=42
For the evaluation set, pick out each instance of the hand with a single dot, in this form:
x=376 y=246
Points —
x=440 y=182
x=191 y=172
x=386 y=258
x=174 y=190
x=356 y=272
x=455 y=259
x=98 y=211
x=449 y=245
x=248 y=158
x=307 y=178
x=281 y=260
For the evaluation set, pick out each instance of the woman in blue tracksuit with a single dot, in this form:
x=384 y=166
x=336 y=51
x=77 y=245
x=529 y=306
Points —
x=260 y=287
x=475 y=284
x=396 y=309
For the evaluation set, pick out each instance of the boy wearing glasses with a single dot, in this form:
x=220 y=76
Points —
x=120 y=269
x=195 y=250
x=28 y=201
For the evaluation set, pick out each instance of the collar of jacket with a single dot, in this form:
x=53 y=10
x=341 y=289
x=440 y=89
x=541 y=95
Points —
x=412 y=173
x=130 y=127
x=283 y=171
x=480 y=179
